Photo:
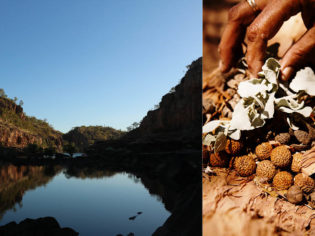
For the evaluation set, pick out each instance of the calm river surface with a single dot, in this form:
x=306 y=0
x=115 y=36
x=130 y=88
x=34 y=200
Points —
x=97 y=205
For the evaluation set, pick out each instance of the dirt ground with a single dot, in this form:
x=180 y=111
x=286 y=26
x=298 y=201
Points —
x=236 y=206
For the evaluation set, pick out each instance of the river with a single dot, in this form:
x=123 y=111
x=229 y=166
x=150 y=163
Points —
x=90 y=202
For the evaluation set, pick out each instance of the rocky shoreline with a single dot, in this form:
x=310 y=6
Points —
x=42 y=226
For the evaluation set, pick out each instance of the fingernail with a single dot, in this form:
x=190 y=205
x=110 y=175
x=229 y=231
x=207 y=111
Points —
x=286 y=73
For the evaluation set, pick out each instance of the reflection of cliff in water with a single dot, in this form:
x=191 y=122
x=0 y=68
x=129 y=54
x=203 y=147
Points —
x=15 y=180
x=153 y=185
x=85 y=172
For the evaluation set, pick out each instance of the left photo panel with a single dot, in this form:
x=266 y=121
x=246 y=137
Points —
x=101 y=118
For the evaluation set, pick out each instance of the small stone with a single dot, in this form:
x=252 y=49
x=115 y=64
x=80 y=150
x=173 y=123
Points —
x=294 y=194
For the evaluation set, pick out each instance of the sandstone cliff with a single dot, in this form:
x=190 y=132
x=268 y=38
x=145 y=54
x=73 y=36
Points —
x=18 y=130
x=179 y=112
x=12 y=136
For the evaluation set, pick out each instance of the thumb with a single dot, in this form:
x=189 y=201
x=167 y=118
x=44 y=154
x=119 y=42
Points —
x=300 y=54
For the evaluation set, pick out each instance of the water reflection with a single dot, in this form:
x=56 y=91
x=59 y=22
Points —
x=93 y=202
x=15 y=180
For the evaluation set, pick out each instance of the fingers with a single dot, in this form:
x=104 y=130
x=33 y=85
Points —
x=263 y=28
x=301 y=53
x=239 y=17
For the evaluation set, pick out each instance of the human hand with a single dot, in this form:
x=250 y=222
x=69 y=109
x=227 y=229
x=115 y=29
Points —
x=256 y=28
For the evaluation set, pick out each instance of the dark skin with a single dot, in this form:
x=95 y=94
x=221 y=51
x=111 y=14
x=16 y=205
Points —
x=256 y=28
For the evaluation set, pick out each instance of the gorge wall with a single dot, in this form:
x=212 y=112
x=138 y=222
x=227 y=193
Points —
x=179 y=112
x=17 y=130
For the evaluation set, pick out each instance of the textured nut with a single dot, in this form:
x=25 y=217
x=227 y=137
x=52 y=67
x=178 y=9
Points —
x=281 y=156
x=282 y=180
x=263 y=151
x=283 y=138
x=305 y=182
x=245 y=165
x=265 y=169
x=296 y=162
x=302 y=136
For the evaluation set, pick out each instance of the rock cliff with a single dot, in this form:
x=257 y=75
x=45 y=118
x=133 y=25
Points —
x=18 y=130
x=15 y=137
x=179 y=112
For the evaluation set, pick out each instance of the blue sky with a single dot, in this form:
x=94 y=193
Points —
x=96 y=62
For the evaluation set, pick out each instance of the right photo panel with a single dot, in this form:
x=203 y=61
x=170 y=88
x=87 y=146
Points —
x=258 y=117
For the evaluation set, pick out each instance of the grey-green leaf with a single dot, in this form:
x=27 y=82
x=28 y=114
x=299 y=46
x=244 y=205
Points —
x=220 y=142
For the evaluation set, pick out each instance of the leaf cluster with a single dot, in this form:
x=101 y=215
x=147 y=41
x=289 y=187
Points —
x=260 y=98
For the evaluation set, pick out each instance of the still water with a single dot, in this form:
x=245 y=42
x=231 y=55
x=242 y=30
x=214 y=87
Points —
x=90 y=203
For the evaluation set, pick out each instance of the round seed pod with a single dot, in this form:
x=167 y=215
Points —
x=294 y=194
x=265 y=169
x=282 y=180
x=302 y=136
x=219 y=159
x=233 y=147
x=305 y=182
x=283 y=138
x=281 y=156
x=296 y=162
x=245 y=165
x=263 y=151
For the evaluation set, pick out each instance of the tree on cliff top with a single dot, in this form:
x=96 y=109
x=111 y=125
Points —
x=2 y=93
x=133 y=126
